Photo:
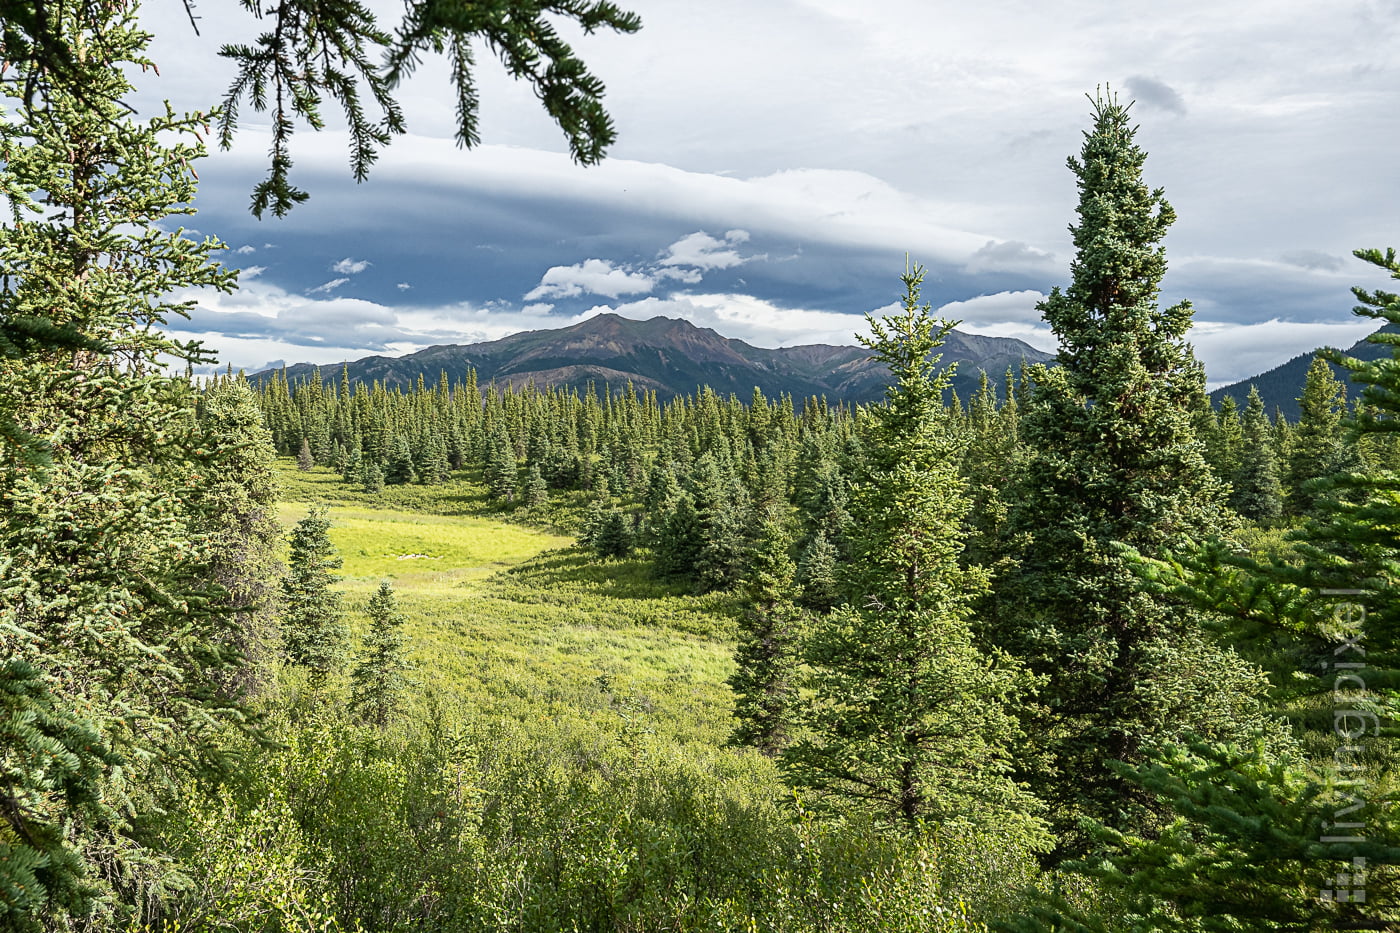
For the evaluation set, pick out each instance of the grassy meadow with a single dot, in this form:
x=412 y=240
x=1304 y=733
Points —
x=560 y=763
x=515 y=623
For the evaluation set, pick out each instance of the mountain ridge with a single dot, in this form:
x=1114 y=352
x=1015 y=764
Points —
x=670 y=356
x=1281 y=386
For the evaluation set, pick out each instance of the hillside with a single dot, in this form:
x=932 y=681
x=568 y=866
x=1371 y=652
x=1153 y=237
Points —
x=1280 y=387
x=671 y=357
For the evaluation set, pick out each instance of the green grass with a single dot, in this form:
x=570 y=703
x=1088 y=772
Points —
x=513 y=623
x=561 y=764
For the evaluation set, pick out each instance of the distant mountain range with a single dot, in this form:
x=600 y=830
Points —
x=1281 y=386
x=672 y=357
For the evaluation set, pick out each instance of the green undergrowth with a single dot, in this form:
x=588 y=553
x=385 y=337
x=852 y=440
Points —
x=560 y=765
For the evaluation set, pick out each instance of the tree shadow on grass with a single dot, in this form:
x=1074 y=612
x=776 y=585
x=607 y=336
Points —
x=572 y=569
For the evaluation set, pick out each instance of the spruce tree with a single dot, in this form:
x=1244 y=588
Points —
x=905 y=718
x=1316 y=450
x=371 y=477
x=1112 y=462
x=1326 y=611
x=765 y=660
x=116 y=641
x=380 y=677
x=613 y=536
x=1245 y=851
x=722 y=510
x=536 y=489
x=1256 y=492
x=501 y=470
x=817 y=573
x=399 y=469
x=314 y=633
x=1223 y=456
x=679 y=540
x=305 y=461
x=239 y=499
x=51 y=775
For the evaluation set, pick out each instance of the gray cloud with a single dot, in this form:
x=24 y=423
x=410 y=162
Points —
x=1156 y=95
x=1315 y=260
x=1010 y=256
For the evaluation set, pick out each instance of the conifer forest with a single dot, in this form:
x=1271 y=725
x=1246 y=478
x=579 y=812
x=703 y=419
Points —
x=1080 y=652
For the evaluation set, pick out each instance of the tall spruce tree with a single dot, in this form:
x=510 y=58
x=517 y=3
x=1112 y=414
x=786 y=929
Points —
x=1112 y=460
x=380 y=676
x=1256 y=492
x=114 y=641
x=314 y=633
x=1264 y=841
x=817 y=568
x=906 y=719
x=765 y=659
x=1316 y=450
x=239 y=498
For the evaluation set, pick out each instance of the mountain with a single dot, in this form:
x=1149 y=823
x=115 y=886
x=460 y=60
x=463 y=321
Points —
x=672 y=357
x=1281 y=386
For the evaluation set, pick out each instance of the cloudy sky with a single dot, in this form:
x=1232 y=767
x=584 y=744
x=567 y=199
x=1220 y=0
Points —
x=777 y=161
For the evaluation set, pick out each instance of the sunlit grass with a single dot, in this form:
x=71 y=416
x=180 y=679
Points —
x=514 y=623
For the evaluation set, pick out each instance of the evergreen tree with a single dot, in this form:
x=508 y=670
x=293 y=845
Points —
x=432 y=464
x=679 y=540
x=592 y=522
x=613 y=535
x=907 y=719
x=352 y=465
x=722 y=512
x=51 y=777
x=1316 y=450
x=1224 y=452
x=993 y=453
x=817 y=573
x=501 y=470
x=314 y=632
x=1244 y=851
x=1257 y=493
x=1326 y=611
x=1112 y=461
x=371 y=477
x=399 y=469
x=536 y=489
x=305 y=461
x=239 y=499
x=765 y=677
x=117 y=644
x=379 y=679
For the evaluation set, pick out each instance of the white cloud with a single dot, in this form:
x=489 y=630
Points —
x=688 y=276
x=326 y=287
x=1232 y=352
x=348 y=266
x=753 y=320
x=591 y=277
x=1001 y=308
x=701 y=251
x=403 y=286
x=245 y=250
x=250 y=272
